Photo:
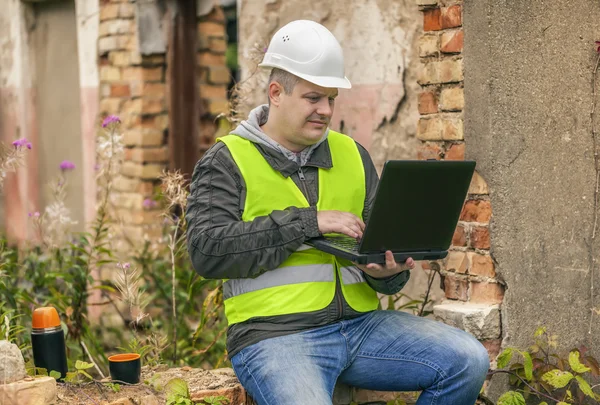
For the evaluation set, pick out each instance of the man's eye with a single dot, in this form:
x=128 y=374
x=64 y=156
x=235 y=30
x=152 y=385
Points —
x=313 y=99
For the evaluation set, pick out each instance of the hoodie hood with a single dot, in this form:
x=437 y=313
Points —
x=250 y=129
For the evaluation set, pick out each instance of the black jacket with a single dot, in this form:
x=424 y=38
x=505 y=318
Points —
x=222 y=246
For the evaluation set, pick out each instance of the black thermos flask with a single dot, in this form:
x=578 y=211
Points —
x=48 y=341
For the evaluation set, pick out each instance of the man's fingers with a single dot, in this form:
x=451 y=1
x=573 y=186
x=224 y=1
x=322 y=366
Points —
x=390 y=263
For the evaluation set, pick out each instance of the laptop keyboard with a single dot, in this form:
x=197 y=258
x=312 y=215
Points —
x=345 y=243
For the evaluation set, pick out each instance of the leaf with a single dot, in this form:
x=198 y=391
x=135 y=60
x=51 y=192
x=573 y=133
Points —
x=177 y=388
x=557 y=378
x=85 y=374
x=543 y=403
x=55 y=374
x=576 y=364
x=539 y=331
x=505 y=357
x=527 y=365
x=585 y=387
x=82 y=365
x=511 y=398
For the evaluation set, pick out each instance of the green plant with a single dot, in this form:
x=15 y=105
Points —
x=79 y=375
x=114 y=387
x=542 y=373
x=177 y=392
x=220 y=400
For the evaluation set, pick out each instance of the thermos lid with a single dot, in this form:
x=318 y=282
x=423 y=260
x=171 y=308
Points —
x=45 y=317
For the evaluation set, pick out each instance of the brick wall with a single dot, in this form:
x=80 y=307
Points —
x=468 y=271
x=134 y=87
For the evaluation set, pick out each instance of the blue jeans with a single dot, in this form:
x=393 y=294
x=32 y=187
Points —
x=381 y=350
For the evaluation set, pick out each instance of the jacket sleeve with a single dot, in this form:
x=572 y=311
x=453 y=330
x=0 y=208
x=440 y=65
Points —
x=389 y=285
x=220 y=244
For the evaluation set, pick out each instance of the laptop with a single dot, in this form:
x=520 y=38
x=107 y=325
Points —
x=415 y=213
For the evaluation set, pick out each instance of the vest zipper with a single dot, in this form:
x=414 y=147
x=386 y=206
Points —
x=338 y=279
x=303 y=182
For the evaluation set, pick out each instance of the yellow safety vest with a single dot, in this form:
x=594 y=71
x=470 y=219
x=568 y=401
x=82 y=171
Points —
x=306 y=280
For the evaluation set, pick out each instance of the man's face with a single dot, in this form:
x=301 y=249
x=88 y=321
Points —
x=307 y=112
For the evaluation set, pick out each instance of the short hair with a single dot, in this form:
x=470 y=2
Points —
x=287 y=80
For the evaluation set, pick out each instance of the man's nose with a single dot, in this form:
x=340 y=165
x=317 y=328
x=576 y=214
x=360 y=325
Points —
x=325 y=108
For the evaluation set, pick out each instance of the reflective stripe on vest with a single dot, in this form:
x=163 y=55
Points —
x=305 y=281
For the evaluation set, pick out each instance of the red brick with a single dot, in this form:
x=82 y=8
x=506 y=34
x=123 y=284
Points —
x=460 y=236
x=432 y=19
x=143 y=155
x=490 y=293
x=456 y=261
x=211 y=29
x=476 y=211
x=429 y=150
x=452 y=41
x=208 y=91
x=120 y=90
x=155 y=90
x=455 y=151
x=428 y=103
x=210 y=59
x=481 y=265
x=456 y=288
x=493 y=346
x=480 y=237
x=451 y=16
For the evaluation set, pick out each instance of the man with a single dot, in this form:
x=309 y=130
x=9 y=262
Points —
x=299 y=319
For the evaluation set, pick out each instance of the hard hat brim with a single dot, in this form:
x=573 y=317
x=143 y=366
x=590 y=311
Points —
x=323 y=81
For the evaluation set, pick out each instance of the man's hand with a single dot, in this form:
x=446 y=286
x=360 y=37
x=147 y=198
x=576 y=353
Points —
x=389 y=269
x=340 y=222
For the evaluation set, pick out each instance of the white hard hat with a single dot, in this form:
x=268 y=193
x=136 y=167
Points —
x=310 y=51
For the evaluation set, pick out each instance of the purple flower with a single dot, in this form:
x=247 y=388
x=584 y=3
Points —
x=149 y=203
x=97 y=167
x=34 y=214
x=67 y=165
x=109 y=120
x=22 y=142
x=126 y=266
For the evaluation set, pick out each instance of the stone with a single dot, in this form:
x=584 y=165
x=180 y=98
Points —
x=480 y=320
x=123 y=401
x=39 y=391
x=235 y=394
x=12 y=364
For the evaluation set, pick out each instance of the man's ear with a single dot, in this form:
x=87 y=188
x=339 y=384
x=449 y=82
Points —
x=275 y=91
